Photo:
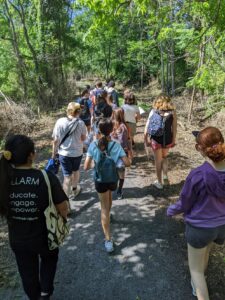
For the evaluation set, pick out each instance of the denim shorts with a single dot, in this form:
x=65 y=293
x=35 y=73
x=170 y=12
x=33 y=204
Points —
x=69 y=164
x=199 y=237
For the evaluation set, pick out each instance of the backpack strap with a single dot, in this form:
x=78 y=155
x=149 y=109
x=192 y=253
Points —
x=69 y=132
x=109 y=150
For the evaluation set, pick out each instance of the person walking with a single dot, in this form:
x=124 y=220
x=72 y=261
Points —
x=111 y=91
x=161 y=129
x=86 y=108
x=71 y=150
x=121 y=135
x=131 y=114
x=202 y=201
x=97 y=152
x=23 y=200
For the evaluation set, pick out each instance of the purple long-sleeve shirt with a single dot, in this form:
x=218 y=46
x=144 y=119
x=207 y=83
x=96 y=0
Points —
x=202 y=199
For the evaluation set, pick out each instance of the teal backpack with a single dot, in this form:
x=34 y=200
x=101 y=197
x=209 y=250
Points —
x=105 y=169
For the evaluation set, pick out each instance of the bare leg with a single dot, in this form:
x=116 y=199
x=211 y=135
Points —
x=75 y=178
x=67 y=184
x=165 y=162
x=196 y=260
x=209 y=247
x=105 y=213
x=121 y=173
x=88 y=129
x=158 y=164
x=110 y=201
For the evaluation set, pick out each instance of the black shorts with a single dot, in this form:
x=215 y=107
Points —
x=199 y=237
x=87 y=122
x=104 y=187
x=69 y=164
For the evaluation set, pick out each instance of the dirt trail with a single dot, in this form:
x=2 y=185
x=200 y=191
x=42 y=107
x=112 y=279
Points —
x=150 y=261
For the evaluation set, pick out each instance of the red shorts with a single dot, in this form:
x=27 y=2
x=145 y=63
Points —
x=156 y=146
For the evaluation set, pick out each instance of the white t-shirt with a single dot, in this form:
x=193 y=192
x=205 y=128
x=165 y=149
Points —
x=72 y=146
x=130 y=112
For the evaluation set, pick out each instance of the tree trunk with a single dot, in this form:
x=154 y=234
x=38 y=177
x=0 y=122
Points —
x=20 y=62
x=162 y=68
x=172 y=69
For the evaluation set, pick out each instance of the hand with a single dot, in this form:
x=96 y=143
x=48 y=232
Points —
x=173 y=144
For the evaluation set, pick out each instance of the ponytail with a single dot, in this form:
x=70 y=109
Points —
x=105 y=128
x=103 y=143
x=6 y=172
x=211 y=142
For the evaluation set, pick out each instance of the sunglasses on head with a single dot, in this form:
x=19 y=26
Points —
x=195 y=133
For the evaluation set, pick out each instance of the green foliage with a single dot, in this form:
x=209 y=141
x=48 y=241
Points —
x=46 y=43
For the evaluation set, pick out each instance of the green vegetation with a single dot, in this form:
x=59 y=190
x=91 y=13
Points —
x=46 y=46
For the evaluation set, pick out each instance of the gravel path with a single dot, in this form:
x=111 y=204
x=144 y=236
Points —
x=150 y=260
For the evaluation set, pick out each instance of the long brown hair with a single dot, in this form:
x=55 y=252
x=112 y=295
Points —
x=119 y=116
x=211 y=142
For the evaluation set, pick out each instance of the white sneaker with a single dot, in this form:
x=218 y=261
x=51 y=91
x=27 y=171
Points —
x=193 y=289
x=77 y=191
x=109 y=246
x=158 y=185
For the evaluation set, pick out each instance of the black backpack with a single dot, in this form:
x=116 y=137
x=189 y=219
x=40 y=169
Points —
x=85 y=111
x=103 y=110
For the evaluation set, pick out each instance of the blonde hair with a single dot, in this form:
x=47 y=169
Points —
x=72 y=108
x=163 y=102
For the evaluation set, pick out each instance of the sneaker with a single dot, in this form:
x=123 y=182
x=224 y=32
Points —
x=76 y=191
x=193 y=289
x=119 y=195
x=109 y=246
x=158 y=185
x=44 y=296
x=111 y=217
x=166 y=180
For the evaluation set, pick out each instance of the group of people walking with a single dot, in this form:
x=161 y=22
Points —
x=110 y=129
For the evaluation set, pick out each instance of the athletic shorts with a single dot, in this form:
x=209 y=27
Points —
x=104 y=187
x=199 y=237
x=87 y=122
x=132 y=128
x=156 y=146
x=69 y=164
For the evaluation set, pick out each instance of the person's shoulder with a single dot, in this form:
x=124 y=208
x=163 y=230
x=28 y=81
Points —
x=196 y=175
x=52 y=177
x=62 y=120
x=115 y=144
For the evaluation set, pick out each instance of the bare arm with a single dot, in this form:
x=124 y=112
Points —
x=63 y=208
x=146 y=133
x=137 y=116
x=174 y=126
x=88 y=163
x=55 y=144
x=83 y=137
x=126 y=161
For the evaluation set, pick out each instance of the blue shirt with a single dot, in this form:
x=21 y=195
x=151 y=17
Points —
x=89 y=102
x=116 y=152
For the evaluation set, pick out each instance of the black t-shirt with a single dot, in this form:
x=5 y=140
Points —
x=28 y=199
